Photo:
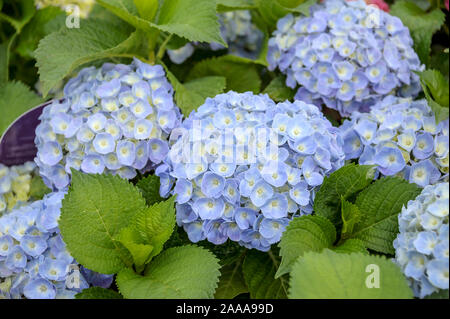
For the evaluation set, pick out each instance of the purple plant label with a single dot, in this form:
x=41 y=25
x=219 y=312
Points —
x=17 y=143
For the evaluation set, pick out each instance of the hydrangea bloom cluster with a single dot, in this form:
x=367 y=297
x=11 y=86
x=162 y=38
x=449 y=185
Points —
x=115 y=119
x=421 y=248
x=242 y=36
x=402 y=138
x=84 y=6
x=346 y=55
x=15 y=184
x=34 y=262
x=243 y=166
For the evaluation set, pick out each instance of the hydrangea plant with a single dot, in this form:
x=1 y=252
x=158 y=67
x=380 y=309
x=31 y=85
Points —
x=242 y=36
x=15 y=183
x=346 y=55
x=243 y=166
x=114 y=119
x=34 y=262
x=421 y=248
x=402 y=138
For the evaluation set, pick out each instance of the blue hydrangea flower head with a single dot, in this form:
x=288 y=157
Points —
x=109 y=121
x=244 y=39
x=34 y=262
x=345 y=55
x=242 y=167
x=421 y=247
x=401 y=137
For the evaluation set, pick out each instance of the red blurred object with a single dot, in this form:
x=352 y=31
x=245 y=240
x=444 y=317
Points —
x=381 y=4
x=446 y=5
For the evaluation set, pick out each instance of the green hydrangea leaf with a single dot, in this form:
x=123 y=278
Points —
x=16 y=99
x=346 y=182
x=130 y=239
x=149 y=186
x=98 y=293
x=232 y=282
x=94 y=40
x=351 y=246
x=155 y=224
x=306 y=233
x=259 y=273
x=350 y=216
x=94 y=211
x=422 y=25
x=329 y=275
x=436 y=89
x=300 y=6
x=271 y=11
x=241 y=74
x=230 y=5
x=147 y=8
x=436 y=86
x=380 y=204
x=440 y=60
x=190 y=95
x=194 y=20
x=178 y=273
x=278 y=91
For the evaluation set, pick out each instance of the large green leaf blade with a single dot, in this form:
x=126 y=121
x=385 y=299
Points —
x=94 y=211
x=61 y=53
x=195 y=20
x=380 y=205
x=241 y=74
x=155 y=224
x=259 y=273
x=232 y=282
x=306 y=233
x=329 y=275
x=178 y=273
x=149 y=187
x=345 y=182
x=190 y=95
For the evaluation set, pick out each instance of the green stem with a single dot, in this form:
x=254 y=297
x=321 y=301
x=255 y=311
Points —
x=162 y=48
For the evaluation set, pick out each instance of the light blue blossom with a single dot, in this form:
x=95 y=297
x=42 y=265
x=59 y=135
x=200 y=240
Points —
x=343 y=57
x=240 y=159
x=105 y=111
x=398 y=136
x=421 y=247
